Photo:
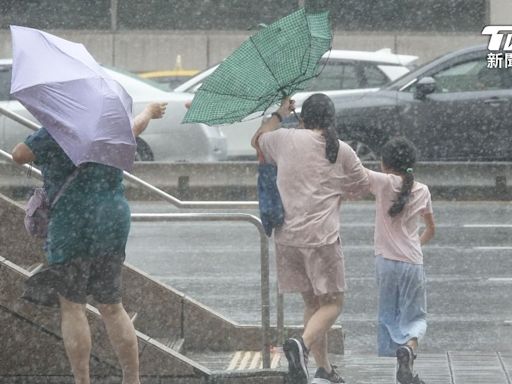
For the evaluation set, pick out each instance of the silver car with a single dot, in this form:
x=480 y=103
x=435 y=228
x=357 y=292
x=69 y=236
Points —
x=165 y=139
x=343 y=72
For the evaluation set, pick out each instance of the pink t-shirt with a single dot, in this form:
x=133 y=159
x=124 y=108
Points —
x=311 y=187
x=397 y=238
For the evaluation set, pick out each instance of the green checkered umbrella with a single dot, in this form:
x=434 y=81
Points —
x=275 y=62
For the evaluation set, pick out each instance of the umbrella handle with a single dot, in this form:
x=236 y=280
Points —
x=293 y=110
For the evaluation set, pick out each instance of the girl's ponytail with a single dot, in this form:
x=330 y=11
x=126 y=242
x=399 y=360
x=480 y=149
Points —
x=403 y=195
x=399 y=156
x=318 y=113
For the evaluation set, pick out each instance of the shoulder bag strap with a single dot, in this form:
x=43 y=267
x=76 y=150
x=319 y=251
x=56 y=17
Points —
x=64 y=186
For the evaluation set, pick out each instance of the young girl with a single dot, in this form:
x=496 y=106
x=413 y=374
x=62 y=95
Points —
x=400 y=202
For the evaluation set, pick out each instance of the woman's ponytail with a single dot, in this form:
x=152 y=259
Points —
x=318 y=113
x=332 y=144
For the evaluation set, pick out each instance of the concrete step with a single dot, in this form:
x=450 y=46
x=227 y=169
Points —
x=176 y=343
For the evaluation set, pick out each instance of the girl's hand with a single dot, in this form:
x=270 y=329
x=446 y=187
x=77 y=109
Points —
x=430 y=229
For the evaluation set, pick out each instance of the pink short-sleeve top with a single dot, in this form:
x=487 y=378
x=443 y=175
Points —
x=310 y=186
x=397 y=238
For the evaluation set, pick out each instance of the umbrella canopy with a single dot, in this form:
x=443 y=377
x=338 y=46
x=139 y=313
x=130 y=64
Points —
x=88 y=113
x=275 y=62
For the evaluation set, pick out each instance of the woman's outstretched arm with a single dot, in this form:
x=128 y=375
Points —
x=152 y=111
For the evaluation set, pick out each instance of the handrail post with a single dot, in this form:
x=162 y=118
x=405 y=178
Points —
x=265 y=299
x=264 y=260
x=280 y=318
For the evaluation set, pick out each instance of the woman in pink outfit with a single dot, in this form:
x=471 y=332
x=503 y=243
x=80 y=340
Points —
x=400 y=203
x=314 y=171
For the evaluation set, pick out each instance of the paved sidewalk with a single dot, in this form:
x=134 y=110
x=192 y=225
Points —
x=447 y=368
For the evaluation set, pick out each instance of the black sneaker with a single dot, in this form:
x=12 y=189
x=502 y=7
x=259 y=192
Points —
x=297 y=355
x=405 y=359
x=322 y=377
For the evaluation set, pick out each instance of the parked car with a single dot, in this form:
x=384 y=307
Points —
x=344 y=72
x=165 y=139
x=453 y=108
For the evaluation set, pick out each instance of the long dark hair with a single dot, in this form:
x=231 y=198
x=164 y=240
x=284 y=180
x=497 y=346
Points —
x=318 y=113
x=399 y=155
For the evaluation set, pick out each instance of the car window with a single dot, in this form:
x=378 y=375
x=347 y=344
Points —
x=5 y=83
x=374 y=78
x=335 y=77
x=469 y=76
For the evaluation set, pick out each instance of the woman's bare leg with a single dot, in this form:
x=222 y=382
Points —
x=319 y=322
x=77 y=338
x=121 y=333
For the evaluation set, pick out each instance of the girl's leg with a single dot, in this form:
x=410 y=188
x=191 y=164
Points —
x=388 y=311
x=413 y=343
x=413 y=304
x=319 y=323
x=77 y=338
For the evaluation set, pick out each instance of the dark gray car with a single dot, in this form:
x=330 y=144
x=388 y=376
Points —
x=453 y=108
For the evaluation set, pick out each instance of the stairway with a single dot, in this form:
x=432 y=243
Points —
x=170 y=325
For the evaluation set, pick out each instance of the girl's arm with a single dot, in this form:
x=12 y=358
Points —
x=430 y=228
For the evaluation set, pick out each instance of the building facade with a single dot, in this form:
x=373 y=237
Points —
x=149 y=35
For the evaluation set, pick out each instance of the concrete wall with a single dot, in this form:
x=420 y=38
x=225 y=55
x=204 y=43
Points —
x=152 y=50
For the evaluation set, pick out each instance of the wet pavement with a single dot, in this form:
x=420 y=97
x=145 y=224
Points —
x=468 y=267
x=441 y=368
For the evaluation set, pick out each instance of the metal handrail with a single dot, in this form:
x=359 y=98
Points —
x=264 y=251
x=264 y=245
x=155 y=191
x=264 y=258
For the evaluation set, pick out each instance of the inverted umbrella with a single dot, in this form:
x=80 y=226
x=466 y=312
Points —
x=275 y=62
x=88 y=113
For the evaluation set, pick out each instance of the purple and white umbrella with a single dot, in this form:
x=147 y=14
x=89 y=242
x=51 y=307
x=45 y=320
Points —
x=87 y=112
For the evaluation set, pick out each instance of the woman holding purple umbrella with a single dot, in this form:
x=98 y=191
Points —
x=85 y=246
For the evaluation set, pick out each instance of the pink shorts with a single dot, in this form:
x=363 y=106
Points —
x=319 y=269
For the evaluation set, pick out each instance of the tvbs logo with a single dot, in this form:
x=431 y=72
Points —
x=500 y=46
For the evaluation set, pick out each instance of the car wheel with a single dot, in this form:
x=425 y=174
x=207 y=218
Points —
x=363 y=151
x=144 y=152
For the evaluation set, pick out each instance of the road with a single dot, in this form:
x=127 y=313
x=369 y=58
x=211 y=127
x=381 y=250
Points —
x=468 y=267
